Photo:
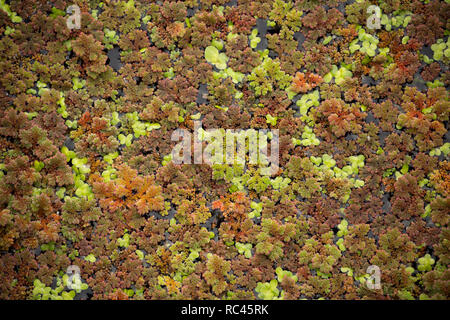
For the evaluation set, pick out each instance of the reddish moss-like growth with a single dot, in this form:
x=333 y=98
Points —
x=130 y=191
x=303 y=83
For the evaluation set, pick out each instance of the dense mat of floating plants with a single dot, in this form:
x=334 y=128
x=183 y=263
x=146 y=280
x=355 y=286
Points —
x=93 y=205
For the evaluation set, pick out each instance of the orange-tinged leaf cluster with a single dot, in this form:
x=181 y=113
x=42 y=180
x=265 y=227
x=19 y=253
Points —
x=176 y=29
x=118 y=295
x=440 y=178
x=218 y=204
x=303 y=83
x=348 y=33
x=172 y=285
x=233 y=206
x=130 y=191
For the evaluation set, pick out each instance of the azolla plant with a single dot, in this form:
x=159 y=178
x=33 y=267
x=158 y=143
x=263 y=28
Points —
x=93 y=204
